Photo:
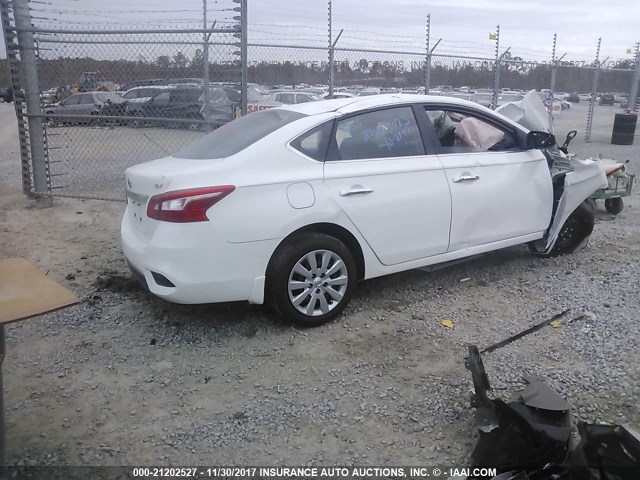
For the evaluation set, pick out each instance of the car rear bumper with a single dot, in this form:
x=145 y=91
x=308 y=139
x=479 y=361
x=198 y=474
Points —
x=200 y=271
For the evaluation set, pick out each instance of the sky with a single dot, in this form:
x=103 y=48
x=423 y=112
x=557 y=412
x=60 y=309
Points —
x=526 y=26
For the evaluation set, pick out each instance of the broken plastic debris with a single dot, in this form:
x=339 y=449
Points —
x=555 y=323
x=447 y=323
x=466 y=279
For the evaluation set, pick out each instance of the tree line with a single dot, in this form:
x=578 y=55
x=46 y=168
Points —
x=66 y=71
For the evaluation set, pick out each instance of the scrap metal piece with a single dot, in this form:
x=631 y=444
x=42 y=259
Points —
x=606 y=452
x=540 y=395
x=485 y=414
x=532 y=329
x=515 y=436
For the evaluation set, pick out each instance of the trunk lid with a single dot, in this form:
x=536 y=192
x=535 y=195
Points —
x=159 y=176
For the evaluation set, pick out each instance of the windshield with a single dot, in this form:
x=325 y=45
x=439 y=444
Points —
x=237 y=135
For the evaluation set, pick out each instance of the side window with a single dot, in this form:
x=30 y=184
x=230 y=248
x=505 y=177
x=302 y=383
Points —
x=459 y=132
x=180 y=97
x=73 y=100
x=315 y=142
x=287 y=98
x=302 y=98
x=162 y=98
x=86 y=99
x=392 y=132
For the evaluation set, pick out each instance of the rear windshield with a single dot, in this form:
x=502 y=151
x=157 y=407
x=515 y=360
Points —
x=235 y=136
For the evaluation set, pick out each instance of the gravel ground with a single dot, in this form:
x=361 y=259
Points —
x=125 y=378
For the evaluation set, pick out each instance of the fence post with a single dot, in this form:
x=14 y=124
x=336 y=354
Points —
x=594 y=88
x=244 y=55
x=554 y=68
x=496 y=69
x=205 y=62
x=10 y=40
x=331 y=54
x=41 y=179
x=635 y=82
x=427 y=59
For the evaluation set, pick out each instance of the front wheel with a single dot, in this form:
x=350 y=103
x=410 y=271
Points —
x=311 y=279
x=573 y=235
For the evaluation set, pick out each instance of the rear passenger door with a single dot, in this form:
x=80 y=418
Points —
x=395 y=194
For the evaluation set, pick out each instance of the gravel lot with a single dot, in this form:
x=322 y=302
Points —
x=125 y=378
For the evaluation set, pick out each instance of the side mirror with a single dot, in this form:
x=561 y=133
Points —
x=539 y=140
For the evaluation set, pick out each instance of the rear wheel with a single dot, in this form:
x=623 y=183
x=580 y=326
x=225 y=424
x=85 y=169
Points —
x=573 y=235
x=311 y=279
x=614 y=205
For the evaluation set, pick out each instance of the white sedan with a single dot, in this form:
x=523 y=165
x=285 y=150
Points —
x=295 y=205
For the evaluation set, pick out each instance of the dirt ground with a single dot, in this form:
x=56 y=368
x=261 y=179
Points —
x=126 y=379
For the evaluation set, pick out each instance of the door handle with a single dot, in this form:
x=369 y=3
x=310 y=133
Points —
x=355 y=191
x=465 y=178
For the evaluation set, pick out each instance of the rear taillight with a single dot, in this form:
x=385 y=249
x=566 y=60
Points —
x=188 y=205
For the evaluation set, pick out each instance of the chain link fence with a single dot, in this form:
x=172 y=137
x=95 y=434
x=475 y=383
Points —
x=91 y=102
x=105 y=111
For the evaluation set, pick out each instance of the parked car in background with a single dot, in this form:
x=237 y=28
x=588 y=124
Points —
x=462 y=95
x=142 y=94
x=73 y=108
x=172 y=103
x=225 y=104
x=484 y=99
x=295 y=205
x=584 y=97
x=293 y=97
x=339 y=95
x=368 y=92
x=6 y=94
x=606 y=99
x=258 y=99
x=573 y=98
x=619 y=97
x=510 y=97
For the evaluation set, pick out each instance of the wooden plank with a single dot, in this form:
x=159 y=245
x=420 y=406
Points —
x=26 y=292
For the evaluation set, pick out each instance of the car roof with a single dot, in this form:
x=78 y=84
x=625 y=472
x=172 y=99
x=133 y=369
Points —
x=353 y=104
x=149 y=86
x=343 y=106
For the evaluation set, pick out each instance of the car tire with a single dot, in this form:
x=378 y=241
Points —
x=95 y=122
x=573 y=235
x=194 y=127
x=309 y=295
x=614 y=205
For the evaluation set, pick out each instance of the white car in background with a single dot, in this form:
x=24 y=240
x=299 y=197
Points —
x=293 y=97
x=295 y=205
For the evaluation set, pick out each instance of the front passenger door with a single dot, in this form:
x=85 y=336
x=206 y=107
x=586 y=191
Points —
x=498 y=190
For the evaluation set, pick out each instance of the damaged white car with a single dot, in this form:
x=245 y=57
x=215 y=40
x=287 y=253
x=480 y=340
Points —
x=295 y=205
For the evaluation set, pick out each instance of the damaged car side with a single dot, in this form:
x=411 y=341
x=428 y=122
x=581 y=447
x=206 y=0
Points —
x=295 y=205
